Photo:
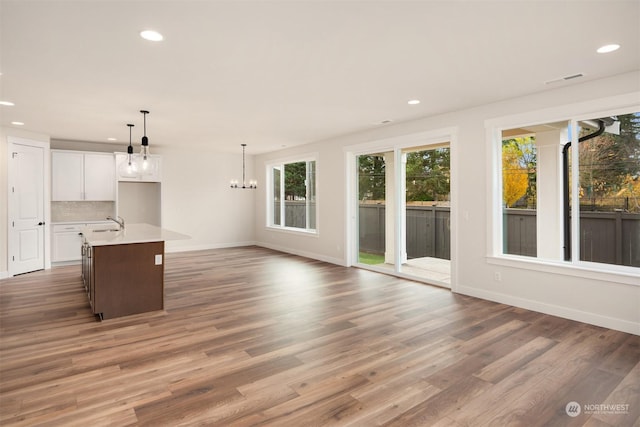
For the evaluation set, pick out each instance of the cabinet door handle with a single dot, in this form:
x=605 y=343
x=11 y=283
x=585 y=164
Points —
x=41 y=223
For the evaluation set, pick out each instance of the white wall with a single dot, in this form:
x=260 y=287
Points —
x=328 y=244
x=601 y=300
x=198 y=201
x=6 y=132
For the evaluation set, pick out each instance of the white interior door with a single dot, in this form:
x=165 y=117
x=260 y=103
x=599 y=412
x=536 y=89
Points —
x=26 y=208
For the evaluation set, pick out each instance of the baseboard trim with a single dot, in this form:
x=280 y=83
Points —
x=554 y=310
x=318 y=257
x=204 y=247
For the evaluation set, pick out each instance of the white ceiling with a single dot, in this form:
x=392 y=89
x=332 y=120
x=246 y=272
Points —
x=283 y=73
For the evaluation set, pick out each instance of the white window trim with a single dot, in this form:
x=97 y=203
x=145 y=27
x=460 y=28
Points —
x=309 y=157
x=572 y=113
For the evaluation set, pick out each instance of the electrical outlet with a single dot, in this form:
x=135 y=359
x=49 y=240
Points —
x=497 y=276
x=159 y=259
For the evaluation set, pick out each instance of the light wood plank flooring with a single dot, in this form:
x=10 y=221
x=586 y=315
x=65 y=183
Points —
x=253 y=337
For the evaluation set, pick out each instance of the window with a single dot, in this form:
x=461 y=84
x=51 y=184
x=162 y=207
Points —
x=571 y=207
x=519 y=151
x=609 y=189
x=292 y=196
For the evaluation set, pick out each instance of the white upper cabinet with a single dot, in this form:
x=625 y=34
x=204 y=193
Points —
x=78 y=176
x=67 y=175
x=99 y=177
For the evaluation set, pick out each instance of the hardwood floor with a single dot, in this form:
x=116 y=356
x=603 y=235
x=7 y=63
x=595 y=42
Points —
x=253 y=337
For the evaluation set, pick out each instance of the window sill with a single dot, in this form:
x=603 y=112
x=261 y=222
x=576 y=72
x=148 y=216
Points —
x=586 y=270
x=293 y=230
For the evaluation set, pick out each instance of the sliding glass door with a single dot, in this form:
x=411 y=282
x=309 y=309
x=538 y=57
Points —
x=403 y=212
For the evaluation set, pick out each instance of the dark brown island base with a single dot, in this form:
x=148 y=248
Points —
x=123 y=270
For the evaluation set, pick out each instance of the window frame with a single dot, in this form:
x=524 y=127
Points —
x=269 y=168
x=572 y=113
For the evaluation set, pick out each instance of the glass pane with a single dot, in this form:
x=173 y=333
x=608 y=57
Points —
x=371 y=208
x=609 y=165
x=276 y=196
x=519 y=191
x=312 y=194
x=295 y=194
x=427 y=203
x=427 y=214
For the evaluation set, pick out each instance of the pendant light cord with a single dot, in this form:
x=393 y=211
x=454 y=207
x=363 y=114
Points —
x=243 y=174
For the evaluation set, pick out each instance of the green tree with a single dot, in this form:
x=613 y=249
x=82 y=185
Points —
x=607 y=161
x=428 y=175
x=295 y=175
x=371 y=177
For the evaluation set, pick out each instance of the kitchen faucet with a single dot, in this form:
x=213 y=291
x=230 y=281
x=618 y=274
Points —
x=120 y=222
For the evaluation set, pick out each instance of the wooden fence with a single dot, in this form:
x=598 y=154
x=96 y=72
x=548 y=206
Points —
x=428 y=230
x=606 y=237
x=295 y=213
x=611 y=237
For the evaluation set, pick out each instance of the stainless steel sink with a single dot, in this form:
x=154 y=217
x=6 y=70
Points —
x=105 y=230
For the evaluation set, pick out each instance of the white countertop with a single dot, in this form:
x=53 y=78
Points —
x=132 y=233
x=91 y=221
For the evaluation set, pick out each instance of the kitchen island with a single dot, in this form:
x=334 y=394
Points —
x=123 y=270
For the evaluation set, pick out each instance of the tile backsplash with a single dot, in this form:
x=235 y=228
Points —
x=81 y=211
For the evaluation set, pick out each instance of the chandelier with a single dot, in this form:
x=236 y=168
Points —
x=253 y=184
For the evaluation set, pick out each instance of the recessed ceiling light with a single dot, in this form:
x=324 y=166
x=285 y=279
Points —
x=7 y=103
x=414 y=102
x=151 y=35
x=17 y=123
x=608 y=48
x=111 y=139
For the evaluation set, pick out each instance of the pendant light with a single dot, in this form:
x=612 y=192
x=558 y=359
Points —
x=129 y=168
x=146 y=166
x=253 y=184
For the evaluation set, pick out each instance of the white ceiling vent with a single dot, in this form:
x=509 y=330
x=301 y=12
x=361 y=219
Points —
x=565 y=78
